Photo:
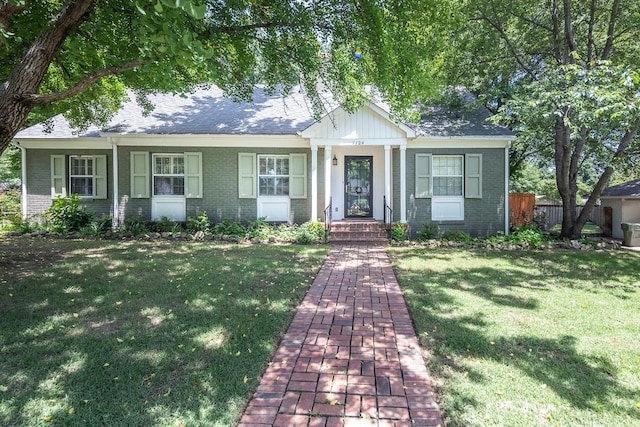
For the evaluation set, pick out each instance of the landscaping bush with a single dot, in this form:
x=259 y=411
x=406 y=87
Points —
x=458 y=236
x=259 y=229
x=527 y=235
x=398 y=232
x=67 y=215
x=228 y=229
x=315 y=228
x=429 y=231
x=134 y=226
x=198 y=223
x=10 y=208
x=97 y=227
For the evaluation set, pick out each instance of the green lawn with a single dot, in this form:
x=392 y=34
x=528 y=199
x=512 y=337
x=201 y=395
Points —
x=528 y=338
x=141 y=333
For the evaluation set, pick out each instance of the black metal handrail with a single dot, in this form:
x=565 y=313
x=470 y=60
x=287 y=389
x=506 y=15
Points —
x=327 y=219
x=388 y=213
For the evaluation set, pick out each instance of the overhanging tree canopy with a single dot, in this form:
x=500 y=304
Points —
x=90 y=51
x=564 y=75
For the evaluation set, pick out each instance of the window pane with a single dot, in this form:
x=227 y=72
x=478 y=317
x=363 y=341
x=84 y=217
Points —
x=178 y=165
x=82 y=186
x=177 y=186
x=267 y=186
x=162 y=186
x=89 y=164
x=447 y=186
x=77 y=166
x=282 y=186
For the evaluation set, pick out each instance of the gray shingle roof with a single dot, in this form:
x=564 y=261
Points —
x=627 y=189
x=469 y=119
x=207 y=111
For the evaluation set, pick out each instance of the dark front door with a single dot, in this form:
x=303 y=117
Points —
x=358 y=177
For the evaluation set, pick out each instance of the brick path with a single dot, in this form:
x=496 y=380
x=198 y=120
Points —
x=350 y=356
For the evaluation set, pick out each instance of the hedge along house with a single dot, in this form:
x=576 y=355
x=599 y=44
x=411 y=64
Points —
x=270 y=159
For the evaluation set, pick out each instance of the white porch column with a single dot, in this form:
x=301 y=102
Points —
x=314 y=182
x=327 y=176
x=387 y=175
x=116 y=207
x=403 y=184
x=25 y=195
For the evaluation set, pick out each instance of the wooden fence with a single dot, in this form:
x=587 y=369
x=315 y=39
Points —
x=521 y=210
x=524 y=211
x=546 y=216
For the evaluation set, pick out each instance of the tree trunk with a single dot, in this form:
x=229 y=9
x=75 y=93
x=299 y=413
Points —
x=563 y=173
x=26 y=77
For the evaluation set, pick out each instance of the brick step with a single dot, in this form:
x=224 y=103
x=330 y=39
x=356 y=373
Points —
x=358 y=232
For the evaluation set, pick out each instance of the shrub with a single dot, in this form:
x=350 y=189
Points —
x=163 y=225
x=134 y=225
x=529 y=235
x=429 y=231
x=97 y=227
x=66 y=214
x=305 y=237
x=199 y=223
x=231 y=230
x=398 y=232
x=259 y=229
x=315 y=228
x=457 y=236
x=10 y=207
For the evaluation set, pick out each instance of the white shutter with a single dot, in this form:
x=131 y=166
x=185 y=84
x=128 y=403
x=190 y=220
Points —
x=140 y=175
x=193 y=175
x=473 y=176
x=247 y=176
x=58 y=176
x=298 y=175
x=100 y=177
x=423 y=176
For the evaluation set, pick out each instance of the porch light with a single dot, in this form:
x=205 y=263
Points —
x=335 y=160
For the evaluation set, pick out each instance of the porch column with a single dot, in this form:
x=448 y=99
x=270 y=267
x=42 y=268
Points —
x=116 y=206
x=25 y=195
x=403 y=184
x=314 y=182
x=387 y=175
x=327 y=176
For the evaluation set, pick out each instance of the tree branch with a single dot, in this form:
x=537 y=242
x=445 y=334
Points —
x=569 y=34
x=590 y=42
x=506 y=39
x=35 y=99
x=608 y=47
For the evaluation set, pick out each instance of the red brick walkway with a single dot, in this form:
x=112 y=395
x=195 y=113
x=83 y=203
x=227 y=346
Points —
x=350 y=356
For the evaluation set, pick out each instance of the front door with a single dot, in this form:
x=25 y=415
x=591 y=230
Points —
x=358 y=179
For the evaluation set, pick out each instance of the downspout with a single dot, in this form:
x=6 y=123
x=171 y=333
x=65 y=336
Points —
x=116 y=220
x=23 y=178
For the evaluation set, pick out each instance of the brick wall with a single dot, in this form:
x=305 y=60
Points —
x=482 y=217
x=39 y=181
x=220 y=185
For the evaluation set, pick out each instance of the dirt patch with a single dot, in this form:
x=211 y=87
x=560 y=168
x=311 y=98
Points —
x=21 y=257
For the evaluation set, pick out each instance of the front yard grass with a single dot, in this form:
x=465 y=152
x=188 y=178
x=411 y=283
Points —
x=528 y=338
x=141 y=333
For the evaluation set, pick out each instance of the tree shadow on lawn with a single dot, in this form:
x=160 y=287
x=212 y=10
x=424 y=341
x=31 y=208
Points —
x=121 y=347
x=585 y=381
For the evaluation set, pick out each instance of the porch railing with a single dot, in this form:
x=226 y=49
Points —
x=388 y=213
x=327 y=219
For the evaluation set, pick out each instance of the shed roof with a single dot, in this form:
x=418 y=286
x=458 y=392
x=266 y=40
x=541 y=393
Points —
x=626 y=189
x=207 y=111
